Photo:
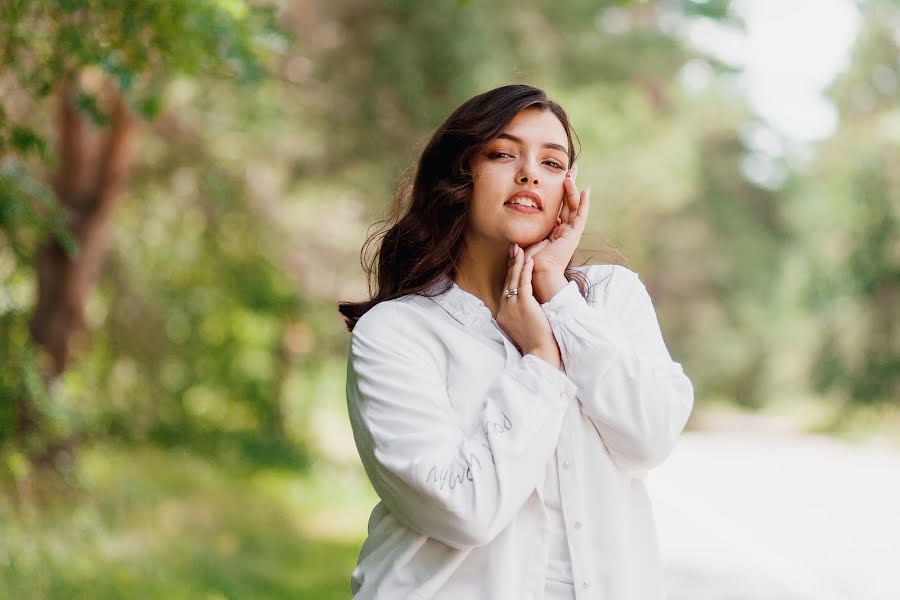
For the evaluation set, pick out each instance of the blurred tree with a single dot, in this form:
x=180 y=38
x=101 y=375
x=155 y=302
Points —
x=395 y=69
x=849 y=222
x=105 y=62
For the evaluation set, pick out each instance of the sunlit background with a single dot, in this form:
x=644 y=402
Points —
x=185 y=187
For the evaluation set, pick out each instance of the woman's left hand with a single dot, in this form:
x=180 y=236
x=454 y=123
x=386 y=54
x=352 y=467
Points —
x=552 y=255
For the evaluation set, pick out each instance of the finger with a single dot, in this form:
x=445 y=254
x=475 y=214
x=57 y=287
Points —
x=564 y=206
x=574 y=170
x=535 y=248
x=554 y=234
x=515 y=271
x=512 y=260
x=525 y=279
x=571 y=200
x=560 y=231
x=564 y=212
x=583 y=208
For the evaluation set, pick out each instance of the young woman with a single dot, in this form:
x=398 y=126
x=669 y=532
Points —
x=506 y=408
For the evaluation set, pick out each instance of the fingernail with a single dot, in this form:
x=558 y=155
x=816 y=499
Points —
x=569 y=174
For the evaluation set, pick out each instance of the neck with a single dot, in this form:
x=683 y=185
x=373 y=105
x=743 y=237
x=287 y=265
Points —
x=482 y=271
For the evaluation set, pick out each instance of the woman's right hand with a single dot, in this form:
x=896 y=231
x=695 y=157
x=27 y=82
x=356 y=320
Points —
x=522 y=317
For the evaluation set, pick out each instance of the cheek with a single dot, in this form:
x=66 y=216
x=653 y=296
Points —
x=555 y=206
x=483 y=181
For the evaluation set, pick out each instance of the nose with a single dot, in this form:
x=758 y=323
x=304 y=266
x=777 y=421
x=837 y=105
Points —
x=527 y=173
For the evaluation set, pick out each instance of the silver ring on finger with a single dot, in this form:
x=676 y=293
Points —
x=512 y=292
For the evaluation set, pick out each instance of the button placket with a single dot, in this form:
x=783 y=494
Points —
x=572 y=510
x=563 y=449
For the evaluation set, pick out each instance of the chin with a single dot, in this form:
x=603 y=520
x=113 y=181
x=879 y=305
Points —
x=527 y=238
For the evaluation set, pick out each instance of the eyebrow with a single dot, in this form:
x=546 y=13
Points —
x=518 y=140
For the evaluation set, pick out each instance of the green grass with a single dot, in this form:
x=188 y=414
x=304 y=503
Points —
x=152 y=523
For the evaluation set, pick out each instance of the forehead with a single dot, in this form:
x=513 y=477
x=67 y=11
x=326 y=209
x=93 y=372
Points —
x=537 y=126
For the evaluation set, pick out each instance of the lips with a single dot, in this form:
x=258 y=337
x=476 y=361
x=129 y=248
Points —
x=525 y=194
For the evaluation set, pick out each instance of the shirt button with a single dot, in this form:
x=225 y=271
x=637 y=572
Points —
x=586 y=583
x=566 y=464
x=577 y=524
x=563 y=395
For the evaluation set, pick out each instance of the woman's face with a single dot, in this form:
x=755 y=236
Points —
x=530 y=155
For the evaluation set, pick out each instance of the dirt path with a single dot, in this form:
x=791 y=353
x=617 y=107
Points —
x=756 y=515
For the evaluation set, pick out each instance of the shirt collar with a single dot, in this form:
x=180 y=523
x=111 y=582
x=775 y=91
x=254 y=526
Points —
x=460 y=304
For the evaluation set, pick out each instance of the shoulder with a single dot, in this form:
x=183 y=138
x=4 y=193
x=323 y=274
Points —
x=401 y=331
x=615 y=274
x=610 y=285
x=391 y=318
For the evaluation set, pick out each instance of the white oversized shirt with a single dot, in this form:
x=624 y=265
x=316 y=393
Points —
x=455 y=427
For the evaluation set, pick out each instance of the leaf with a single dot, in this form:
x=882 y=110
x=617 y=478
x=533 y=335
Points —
x=87 y=103
x=148 y=106
x=25 y=141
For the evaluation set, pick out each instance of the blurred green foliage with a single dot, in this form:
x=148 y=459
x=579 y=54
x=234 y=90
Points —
x=852 y=199
x=154 y=523
x=137 y=47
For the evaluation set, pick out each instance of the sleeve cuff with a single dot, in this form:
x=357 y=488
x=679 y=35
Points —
x=564 y=301
x=547 y=379
x=582 y=329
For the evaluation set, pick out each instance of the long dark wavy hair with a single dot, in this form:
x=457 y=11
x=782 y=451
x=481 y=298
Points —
x=420 y=241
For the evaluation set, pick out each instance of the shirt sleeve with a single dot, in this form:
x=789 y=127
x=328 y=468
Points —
x=457 y=486
x=637 y=397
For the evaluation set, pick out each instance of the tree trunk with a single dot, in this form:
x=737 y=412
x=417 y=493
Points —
x=93 y=165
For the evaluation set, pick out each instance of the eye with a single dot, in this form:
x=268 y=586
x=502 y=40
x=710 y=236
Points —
x=553 y=164
x=499 y=155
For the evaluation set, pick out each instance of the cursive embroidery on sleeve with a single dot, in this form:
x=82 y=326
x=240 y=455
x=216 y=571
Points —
x=497 y=427
x=454 y=475
x=461 y=472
